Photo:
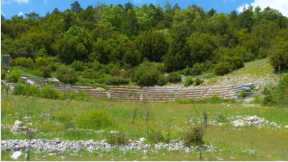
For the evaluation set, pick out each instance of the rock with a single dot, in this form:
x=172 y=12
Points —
x=142 y=139
x=30 y=82
x=18 y=123
x=16 y=129
x=286 y=126
x=57 y=140
x=16 y=155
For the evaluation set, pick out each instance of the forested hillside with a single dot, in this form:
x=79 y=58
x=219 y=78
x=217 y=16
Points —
x=115 y=43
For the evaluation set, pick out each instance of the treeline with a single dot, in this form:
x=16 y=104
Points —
x=100 y=41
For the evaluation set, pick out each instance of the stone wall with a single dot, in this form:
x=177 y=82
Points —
x=152 y=94
x=162 y=94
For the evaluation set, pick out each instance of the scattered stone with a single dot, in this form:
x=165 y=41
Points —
x=142 y=139
x=16 y=155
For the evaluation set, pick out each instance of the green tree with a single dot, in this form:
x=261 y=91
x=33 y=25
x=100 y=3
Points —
x=152 y=45
x=75 y=6
x=76 y=44
x=177 y=57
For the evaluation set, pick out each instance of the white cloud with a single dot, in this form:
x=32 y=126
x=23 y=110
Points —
x=20 y=13
x=22 y=1
x=240 y=8
x=281 y=5
x=6 y=2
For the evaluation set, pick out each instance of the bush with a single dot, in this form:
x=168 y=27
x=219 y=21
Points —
x=243 y=93
x=94 y=65
x=19 y=89
x=194 y=137
x=197 y=69
x=222 y=118
x=117 y=139
x=174 y=77
x=46 y=70
x=95 y=119
x=184 y=101
x=147 y=74
x=117 y=81
x=77 y=66
x=25 y=89
x=187 y=71
x=24 y=62
x=198 y=81
x=3 y=74
x=189 y=81
x=66 y=76
x=123 y=74
x=44 y=61
x=4 y=67
x=14 y=76
x=115 y=72
x=162 y=80
x=50 y=92
x=221 y=68
x=156 y=136
x=278 y=54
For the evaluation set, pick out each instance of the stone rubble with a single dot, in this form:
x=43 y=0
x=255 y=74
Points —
x=252 y=120
x=58 y=146
x=18 y=127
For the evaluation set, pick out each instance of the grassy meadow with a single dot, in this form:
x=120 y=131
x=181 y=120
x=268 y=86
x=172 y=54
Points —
x=55 y=118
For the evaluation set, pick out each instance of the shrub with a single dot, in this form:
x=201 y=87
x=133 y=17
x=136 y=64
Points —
x=174 y=77
x=184 y=101
x=277 y=54
x=194 y=137
x=24 y=62
x=3 y=74
x=12 y=62
x=117 y=81
x=198 y=81
x=123 y=74
x=50 y=92
x=197 y=69
x=187 y=71
x=222 y=118
x=66 y=76
x=46 y=70
x=189 y=81
x=44 y=61
x=4 y=67
x=94 y=65
x=77 y=65
x=147 y=74
x=243 y=93
x=92 y=74
x=221 y=68
x=25 y=89
x=95 y=119
x=156 y=136
x=19 y=89
x=14 y=76
x=115 y=72
x=162 y=80
x=117 y=139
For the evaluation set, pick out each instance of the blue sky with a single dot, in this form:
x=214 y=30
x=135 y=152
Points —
x=10 y=8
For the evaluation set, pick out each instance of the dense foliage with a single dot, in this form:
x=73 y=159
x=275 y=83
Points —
x=103 y=41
